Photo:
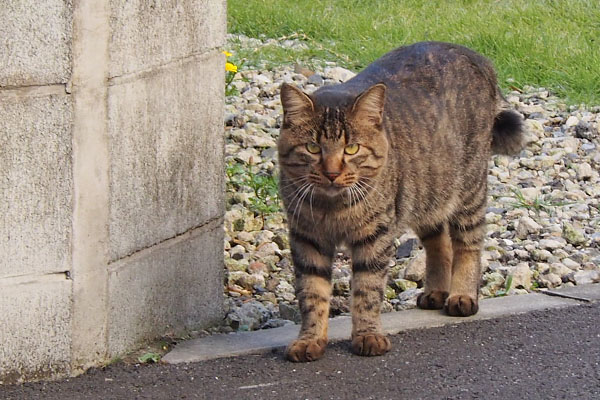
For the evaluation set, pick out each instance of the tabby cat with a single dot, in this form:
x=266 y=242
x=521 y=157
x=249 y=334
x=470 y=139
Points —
x=405 y=143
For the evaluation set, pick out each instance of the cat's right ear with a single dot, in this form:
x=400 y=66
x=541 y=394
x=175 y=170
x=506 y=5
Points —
x=297 y=106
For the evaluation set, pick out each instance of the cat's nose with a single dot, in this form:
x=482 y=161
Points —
x=332 y=175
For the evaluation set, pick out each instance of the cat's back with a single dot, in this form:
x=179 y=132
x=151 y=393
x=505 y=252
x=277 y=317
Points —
x=426 y=55
x=429 y=61
x=425 y=68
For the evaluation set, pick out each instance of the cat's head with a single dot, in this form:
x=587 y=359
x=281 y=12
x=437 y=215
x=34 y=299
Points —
x=332 y=140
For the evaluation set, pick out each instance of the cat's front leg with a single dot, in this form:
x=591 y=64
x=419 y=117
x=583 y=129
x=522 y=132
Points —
x=312 y=264
x=370 y=257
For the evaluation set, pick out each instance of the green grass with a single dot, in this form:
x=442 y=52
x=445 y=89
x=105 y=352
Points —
x=274 y=54
x=554 y=44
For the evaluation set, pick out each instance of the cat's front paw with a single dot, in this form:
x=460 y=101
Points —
x=461 y=306
x=303 y=350
x=370 y=344
x=433 y=300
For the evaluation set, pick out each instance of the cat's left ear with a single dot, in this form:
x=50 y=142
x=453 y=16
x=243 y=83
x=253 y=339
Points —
x=368 y=106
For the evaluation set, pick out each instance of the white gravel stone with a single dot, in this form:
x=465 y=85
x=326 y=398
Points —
x=530 y=193
x=551 y=244
x=237 y=249
x=573 y=265
x=560 y=269
x=258 y=141
x=535 y=127
x=267 y=249
x=338 y=74
x=584 y=171
x=245 y=236
x=527 y=226
x=586 y=277
x=550 y=280
x=521 y=276
x=248 y=156
x=571 y=121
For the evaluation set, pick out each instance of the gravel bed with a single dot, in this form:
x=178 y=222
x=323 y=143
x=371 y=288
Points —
x=543 y=214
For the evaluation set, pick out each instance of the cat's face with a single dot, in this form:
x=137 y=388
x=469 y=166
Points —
x=335 y=149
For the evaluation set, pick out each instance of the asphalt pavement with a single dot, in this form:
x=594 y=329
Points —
x=550 y=353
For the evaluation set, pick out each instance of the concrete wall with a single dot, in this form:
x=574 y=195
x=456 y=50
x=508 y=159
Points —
x=111 y=183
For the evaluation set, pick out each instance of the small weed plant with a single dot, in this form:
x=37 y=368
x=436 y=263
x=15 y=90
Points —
x=265 y=191
x=537 y=204
x=507 y=286
x=149 y=358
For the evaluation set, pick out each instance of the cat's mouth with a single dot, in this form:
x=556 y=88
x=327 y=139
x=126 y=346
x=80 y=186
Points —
x=333 y=190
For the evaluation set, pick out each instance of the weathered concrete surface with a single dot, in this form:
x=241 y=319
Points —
x=35 y=324
x=339 y=328
x=36 y=185
x=111 y=181
x=35 y=42
x=147 y=34
x=166 y=150
x=586 y=293
x=173 y=286
x=90 y=174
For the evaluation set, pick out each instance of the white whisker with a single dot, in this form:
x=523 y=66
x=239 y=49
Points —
x=299 y=202
x=371 y=186
x=361 y=192
x=354 y=196
x=296 y=193
x=361 y=187
x=294 y=178
x=294 y=182
x=311 y=208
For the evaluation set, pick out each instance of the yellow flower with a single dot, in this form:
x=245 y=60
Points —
x=227 y=54
x=230 y=67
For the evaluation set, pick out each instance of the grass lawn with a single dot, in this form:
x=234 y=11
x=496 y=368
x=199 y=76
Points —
x=549 y=43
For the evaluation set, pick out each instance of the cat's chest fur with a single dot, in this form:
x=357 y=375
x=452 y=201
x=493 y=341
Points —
x=344 y=225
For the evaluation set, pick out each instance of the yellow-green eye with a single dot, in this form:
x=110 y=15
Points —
x=351 y=149
x=313 y=148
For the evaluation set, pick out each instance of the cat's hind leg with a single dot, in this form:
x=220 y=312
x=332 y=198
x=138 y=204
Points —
x=312 y=264
x=467 y=230
x=438 y=272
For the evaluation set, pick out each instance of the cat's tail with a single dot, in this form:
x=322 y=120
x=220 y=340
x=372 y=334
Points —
x=508 y=133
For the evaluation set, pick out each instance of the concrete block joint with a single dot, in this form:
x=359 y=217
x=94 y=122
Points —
x=110 y=177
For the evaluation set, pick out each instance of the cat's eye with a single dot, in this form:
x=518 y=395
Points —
x=351 y=149
x=313 y=148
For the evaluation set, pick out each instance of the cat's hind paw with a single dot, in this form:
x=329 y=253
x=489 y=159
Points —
x=304 y=350
x=433 y=300
x=370 y=344
x=461 y=306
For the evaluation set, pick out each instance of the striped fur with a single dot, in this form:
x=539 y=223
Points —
x=425 y=119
